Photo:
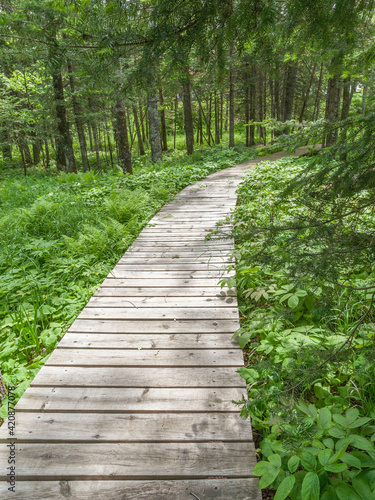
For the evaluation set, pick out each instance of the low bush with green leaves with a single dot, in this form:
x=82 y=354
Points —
x=60 y=235
x=308 y=339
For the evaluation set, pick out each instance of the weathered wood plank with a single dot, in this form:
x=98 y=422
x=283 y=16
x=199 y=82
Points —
x=171 y=266
x=148 y=341
x=122 y=428
x=164 y=327
x=161 y=259
x=205 y=274
x=207 y=489
x=130 y=400
x=176 y=282
x=145 y=357
x=119 y=288
x=162 y=313
x=120 y=301
x=76 y=376
x=130 y=460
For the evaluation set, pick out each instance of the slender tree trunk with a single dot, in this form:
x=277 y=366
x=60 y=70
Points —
x=64 y=155
x=154 y=128
x=217 y=119
x=247 y=114
x=307 y=94
x=208 y=120
x=122 y=139
x=163 y=125
x=332 y=109
x=78 y=120
x=46 y=148
x=90 y=139
x=138 y=130
x=95 y=135
x=188 y=114
x=231 y=97
x=318 y=91
x=221 y=113
x=289 y=89
x=109 y=144
x=6 y=144
x=141 y=122
x=175 y=121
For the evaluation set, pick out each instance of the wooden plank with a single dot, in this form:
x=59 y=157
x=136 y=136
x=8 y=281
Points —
x=130 y=460
x=165 y=260
x=207 y=274
x=170 y=266
x=131 y=400
x=120 y=301
x=126 y=428
x=207 y=489
x=76 y=376
x=161 y=313
x=176 y=282
x=148 y=341
x=201 y=246
x=162 y=327
x=146 y=357
x=119 y=288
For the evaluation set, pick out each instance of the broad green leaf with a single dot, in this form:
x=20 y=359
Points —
x=268 y=473
x=362 y=487
x=361 y=443
x=336 y=468
x=351 y=460
x=308 y=461
x=346 y=492
x=285 y=488
x=293 y=301
x=310 y=487
x=325 y=417
x=293 y=463
x=329 y=443
x=351 y=415
x=336 y=432
x=324 y=456
x=275 y=460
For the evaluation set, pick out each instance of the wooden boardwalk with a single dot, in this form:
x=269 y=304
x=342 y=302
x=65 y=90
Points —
x=136 y=401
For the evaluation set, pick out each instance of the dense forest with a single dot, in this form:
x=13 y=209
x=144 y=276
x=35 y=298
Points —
x=109 y=108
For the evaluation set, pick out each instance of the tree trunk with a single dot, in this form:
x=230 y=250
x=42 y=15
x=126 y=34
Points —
x=95 y=135
x=332 y=109
x=289 y=90
x=208 y=119
x=188 y=114
x=231 y=97
x=6 y=146
x=217 y=119
x=78 y=120
x=307 y=94
x=154 y=128
x=64 y=155
x=175 y=121
x=317 y=100
x=122 y=139
x=138 y=130
x=163 y=125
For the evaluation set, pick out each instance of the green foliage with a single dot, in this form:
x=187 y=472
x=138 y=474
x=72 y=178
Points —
x=308 y=343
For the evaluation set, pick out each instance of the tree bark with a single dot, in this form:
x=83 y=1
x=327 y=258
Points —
x=154 y=128
x=217 y=119
x=95 y=135
x=231 y=97
x=141 y=147
x=332 y=109
x=77 y=110
x=307 y=94
x=64 y=145
x=122 y=139
x=188 y=114
x=163 y=125
x=289 y=90
x=317 y=100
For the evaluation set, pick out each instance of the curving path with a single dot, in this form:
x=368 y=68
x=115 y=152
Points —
x=136 y=401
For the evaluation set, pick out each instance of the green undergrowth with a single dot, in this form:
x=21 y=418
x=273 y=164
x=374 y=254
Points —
x=309 y=346
x=61 y=235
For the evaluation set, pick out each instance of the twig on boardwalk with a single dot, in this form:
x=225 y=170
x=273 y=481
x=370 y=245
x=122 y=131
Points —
x=194 y=495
